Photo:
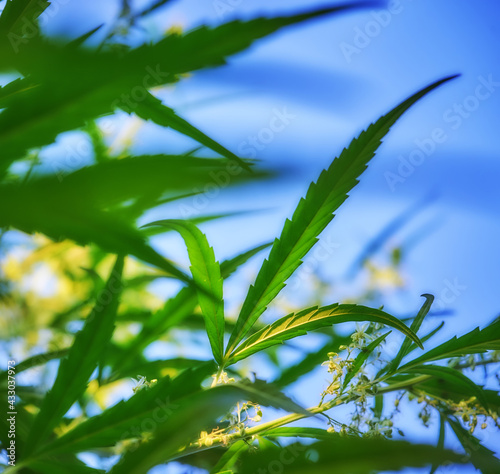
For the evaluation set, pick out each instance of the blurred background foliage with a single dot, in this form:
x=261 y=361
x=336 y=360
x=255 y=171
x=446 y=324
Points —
x=86 y=158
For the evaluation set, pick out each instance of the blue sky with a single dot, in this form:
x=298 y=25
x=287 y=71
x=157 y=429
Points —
x=325 y=81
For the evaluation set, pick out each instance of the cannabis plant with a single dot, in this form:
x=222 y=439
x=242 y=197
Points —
x=95 y=333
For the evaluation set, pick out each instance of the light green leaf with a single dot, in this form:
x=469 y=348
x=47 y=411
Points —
x=312 y=215
x=207 y=276
x=85 y=353
x=426 y=337
x=228 y=267
x=36 y=360
x=201 y=219
x=298 y=324
x=378 y=406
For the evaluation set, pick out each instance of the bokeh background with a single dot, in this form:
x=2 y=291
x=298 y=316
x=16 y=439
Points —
x=431 y=194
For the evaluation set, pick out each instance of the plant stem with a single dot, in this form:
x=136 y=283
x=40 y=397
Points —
x=285 y=420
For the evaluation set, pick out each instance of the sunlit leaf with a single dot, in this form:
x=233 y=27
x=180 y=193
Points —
x=298 y=324
x=313 y=214
x=179 y=307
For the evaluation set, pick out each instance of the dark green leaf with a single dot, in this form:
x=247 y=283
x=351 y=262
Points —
x=230 y=457
x=415 y=326
x=474 y=342
x=152 y=109
x=481 y=457
x=19 y=18
x=453 y=376
x=128 y=419
x=69 y=79
x=196 y=413
x=440 y=443
x=347 y=455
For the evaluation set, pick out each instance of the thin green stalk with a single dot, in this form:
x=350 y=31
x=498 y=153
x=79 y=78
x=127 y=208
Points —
x=287 y=419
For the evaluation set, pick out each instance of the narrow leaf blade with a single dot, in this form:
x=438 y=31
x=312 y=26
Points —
x=415 y=326
x=207 y=276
